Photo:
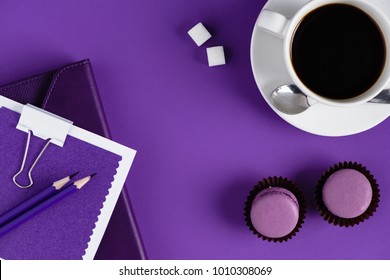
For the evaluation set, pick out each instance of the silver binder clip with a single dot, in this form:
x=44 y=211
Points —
x=44 y=125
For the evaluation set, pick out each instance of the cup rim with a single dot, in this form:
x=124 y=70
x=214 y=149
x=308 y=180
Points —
x=376 y=16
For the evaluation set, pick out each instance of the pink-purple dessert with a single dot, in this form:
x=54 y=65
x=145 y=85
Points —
x=347 y=194
x=275 y=209
x=275 y=212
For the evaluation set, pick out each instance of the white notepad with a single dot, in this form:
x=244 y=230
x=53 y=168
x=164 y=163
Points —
x=71 y=148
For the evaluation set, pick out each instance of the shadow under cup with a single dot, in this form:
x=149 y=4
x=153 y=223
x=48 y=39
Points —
x=338 y=51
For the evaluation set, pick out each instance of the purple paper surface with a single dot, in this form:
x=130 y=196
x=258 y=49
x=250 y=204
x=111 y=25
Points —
x=204 y=136
x=63 y=230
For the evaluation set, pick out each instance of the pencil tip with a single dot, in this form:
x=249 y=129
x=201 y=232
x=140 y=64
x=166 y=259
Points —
x=73 y=175
x=80 y=183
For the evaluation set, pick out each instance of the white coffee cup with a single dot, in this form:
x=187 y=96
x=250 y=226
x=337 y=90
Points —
x=284 y=28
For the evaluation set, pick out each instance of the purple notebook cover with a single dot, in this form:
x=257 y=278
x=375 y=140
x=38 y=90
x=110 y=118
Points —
x=64 y=91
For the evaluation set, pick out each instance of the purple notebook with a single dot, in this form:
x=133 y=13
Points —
x=73 y=228
x=63 y=91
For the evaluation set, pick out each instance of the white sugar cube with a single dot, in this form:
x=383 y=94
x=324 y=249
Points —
x=199 y=34
x=216 y=56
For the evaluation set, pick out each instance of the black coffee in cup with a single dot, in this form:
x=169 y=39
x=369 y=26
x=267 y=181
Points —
x=338 y=51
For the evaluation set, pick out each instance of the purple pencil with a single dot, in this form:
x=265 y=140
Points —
x=38 y=208
x=44 y=194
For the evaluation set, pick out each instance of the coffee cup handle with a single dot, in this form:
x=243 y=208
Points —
x=273 y=23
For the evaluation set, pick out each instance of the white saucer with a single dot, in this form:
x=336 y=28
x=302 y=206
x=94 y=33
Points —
x=269 y=72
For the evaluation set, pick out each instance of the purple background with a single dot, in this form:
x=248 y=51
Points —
x=204 y=135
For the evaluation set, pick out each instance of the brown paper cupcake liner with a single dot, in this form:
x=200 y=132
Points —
x=344 y=222
x=281 y=183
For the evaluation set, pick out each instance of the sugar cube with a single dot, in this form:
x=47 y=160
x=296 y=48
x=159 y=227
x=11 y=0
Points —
x=199 y=34
x=216 y=56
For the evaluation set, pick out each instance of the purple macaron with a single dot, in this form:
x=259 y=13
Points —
x=275 y=209
x=347 y=194
x=275 y=212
